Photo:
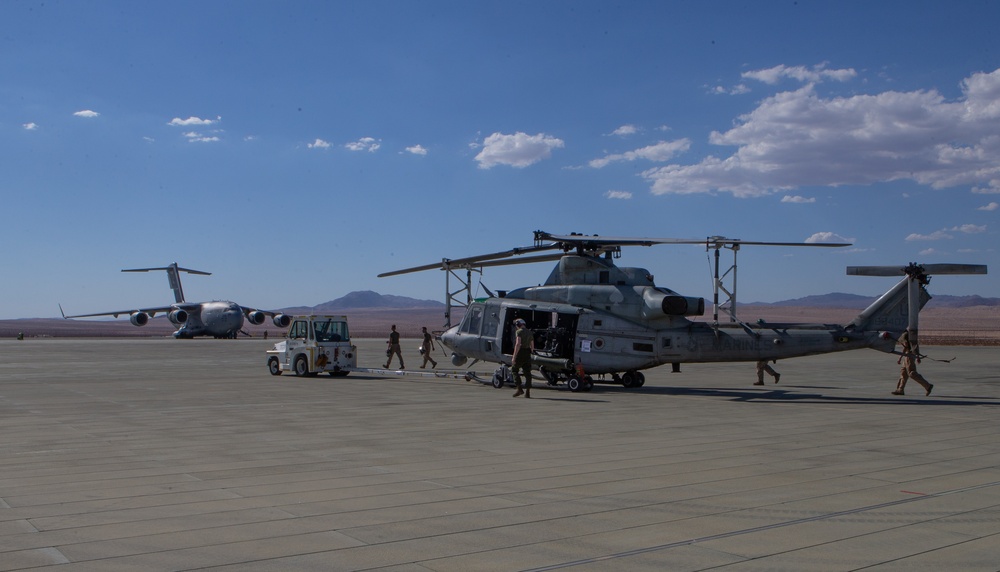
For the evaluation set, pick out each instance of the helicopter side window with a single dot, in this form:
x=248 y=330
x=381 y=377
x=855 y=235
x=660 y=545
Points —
x=473 y=321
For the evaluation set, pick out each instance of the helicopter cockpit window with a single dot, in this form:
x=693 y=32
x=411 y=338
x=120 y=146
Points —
x=473 y=320
x=331 y=331
x=299 y=330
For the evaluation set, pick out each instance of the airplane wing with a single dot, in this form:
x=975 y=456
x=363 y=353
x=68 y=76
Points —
x=150 y=311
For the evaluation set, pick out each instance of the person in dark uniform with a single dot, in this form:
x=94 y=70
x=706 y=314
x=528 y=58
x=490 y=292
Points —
x=524 y=345
x=394 y=348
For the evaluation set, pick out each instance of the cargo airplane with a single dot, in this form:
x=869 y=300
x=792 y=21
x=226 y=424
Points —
x=219 y=319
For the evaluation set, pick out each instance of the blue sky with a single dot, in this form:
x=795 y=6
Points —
x=298 y=149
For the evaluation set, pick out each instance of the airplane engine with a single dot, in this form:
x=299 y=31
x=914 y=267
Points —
x=177 y=317
x=139 y=318
x=256 y=317
x=458 y=360
x=281 y=320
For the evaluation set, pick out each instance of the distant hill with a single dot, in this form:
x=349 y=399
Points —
x=365 y=299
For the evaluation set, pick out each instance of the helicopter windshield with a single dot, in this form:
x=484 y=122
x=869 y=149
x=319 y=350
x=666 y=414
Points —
x=473 y=320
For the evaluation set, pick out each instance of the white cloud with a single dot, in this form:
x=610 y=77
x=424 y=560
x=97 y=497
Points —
x=319 y=144
x=738 y=89
x=815 y=74
x=87 y=113
x=930 y=252
x=178 y=122
x=659 y=152
x=620 y=195
x=30 y=126
x=826 y=238
x=992 y=189
x=625 y=130
x=969 y=229
x=797 y=199
x=195 y=137
x=990 y=207
x=369 y=144
x=417 y=150
x=518 y=150
x=799 y=138
x=936 y=235
x=148 y=139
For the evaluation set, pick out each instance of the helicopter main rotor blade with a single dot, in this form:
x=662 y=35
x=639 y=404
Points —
x=709 y=242
x=480 y=260
x=925 y=268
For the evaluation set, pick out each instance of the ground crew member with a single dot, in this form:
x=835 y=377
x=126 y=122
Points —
x=524 y=345
x=394 y=349
x=426 y=347
x=761 y=368
x=909 y=360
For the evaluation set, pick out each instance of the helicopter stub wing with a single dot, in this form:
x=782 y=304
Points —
x=925 y=269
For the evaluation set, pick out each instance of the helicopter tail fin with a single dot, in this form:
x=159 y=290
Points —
x=890 y=313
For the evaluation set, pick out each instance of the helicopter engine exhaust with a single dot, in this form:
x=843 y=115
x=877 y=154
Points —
x=661 y=303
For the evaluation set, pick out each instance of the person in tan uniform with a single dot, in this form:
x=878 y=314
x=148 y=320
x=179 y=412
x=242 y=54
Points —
x=909 y=359
x=763 y=367
x=426 y=347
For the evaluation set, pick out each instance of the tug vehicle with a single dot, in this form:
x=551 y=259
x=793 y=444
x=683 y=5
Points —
x=314 y=344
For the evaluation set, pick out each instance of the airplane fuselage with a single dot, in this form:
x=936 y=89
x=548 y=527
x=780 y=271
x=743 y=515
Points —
x=219 y=319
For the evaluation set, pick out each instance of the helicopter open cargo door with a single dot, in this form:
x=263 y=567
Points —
x=555 y=332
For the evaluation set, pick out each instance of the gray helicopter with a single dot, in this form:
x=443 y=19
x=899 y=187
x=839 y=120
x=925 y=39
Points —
x=219 y=318
x=593 y=318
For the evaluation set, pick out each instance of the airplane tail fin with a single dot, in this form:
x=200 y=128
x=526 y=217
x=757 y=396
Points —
x=173 y=277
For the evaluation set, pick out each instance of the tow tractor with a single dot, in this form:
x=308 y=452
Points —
x=318 y=344
x=314 y=344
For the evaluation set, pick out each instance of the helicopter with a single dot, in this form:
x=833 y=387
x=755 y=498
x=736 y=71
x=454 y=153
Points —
x=594 y=318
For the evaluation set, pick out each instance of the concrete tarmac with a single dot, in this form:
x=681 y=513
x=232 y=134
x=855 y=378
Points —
x=161 y=454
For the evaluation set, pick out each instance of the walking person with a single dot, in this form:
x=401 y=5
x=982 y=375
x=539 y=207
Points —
x=909 y=359
x=763 y=367
x=394 y=349
x=524 y=346
x=426 y=347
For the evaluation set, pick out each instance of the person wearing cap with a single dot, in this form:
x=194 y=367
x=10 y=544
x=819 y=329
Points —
x=524 y=345
x=909 y=359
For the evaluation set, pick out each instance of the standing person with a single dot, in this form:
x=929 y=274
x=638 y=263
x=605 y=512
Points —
x=761 y=368
x=394 y=348
x=910 y=358
x=524 y=345
x=426 y=347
